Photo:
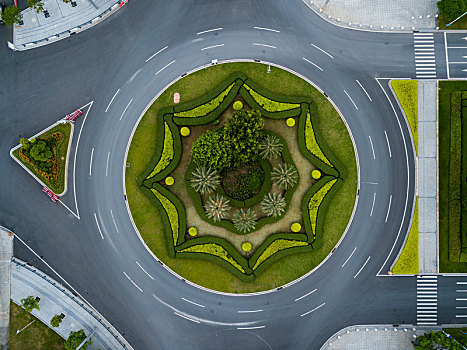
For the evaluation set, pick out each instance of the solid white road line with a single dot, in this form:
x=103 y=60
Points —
x=90 y=162
x=186 y=317
x=314 y=64
x=307 y=294
x=316 y=308
x=97 y=222
x=270 y=46
x=111 y=100
x=192 y=302
x=446 y=53
x=248 y=311
x=320 y=49
x=137 y=263
x=268 y=29
x=345 y=262
x=372 y=148
x=461 y=290
x=458 y=62
x=132 y=282
x=363 y=89
x=461 y=307
x=211 y=47
x=351 y=100
x=128 y=105
x=209 y=30
x=168 y=64
x=158 y=52
x=461 y=299
x=461 y=282
x=461 y=316
x=389 y=146
x=457 y=47
x=113 y=219
x=246 y=328
x=362 y=267
x=107 y=164
x=389 y=208
x=373 y=204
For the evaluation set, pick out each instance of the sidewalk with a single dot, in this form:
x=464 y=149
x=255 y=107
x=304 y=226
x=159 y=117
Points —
x=380 y=15
x=381 y=337
x=427 y=177
x=64 y=20
x=55 y=299
x=6 y=252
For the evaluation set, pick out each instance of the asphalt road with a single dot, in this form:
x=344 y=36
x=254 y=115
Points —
x=98 y=260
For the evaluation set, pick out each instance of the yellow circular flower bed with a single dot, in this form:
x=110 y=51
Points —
x=316 y=174
x=169 y=180
x=246 y=246
x=184 y=131
x=238 y=105
x=296 y=227
x=192 y=231
x=290 y=122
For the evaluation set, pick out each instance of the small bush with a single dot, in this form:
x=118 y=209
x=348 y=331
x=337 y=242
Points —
x=30 y=303
x=270 y=147
x=12 y=15
x=238 y=105
x=290 y=122
x=185 y=131
x=295 y=227
x=204 y=179
x=284 y=175
x=316 y=174
x=243 y=182
x=217 y=208
x=56 y=320
x=246 y=246
x=192 y=231
x=273 y=204
x=244 y=220
x=211 y=150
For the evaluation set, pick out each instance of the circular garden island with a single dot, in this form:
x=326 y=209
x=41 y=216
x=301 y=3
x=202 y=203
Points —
x=245 y=185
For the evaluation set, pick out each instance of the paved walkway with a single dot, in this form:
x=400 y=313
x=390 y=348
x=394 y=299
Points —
x=381 y=337
x=427 y=177
x=64 y=20
x=56 y=299
x=6 y=252
x=378 y=14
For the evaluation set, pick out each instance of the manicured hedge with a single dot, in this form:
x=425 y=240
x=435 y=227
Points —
x=277 y=246
x=268 y=104
x=463 y=181
x=455 y=155
x=167 y=154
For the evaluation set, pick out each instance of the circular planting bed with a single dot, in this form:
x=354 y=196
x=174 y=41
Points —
x=246 y=184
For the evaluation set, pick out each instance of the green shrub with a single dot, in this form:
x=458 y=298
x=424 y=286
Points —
x=204 y=179
x=451 y=9
x=55 y=321
x=244 y=220
x=284 y=175
x=30 y=303
x=12 y=15
x=270 y=147
x=210 y=149
x=277 y=246
x=214 y=249
x=238 y=105
x=207 y=107
x=75 y=339
x=270 y=105
x=167 y=152
x=273 y=204
x=243 y=182
x=310 y=141
x=217 y=207
x=315 y=202
x=171 y=211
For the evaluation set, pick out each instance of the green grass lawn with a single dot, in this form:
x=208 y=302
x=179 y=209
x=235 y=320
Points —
x=37 y=336
x=57 y=186
x=210 y=275
x=459 y=24
x=407 y=264
x=444 y=132
x=407 y=94
x=457 y=333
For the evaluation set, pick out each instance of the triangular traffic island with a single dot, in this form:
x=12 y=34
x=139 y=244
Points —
x=45 y=155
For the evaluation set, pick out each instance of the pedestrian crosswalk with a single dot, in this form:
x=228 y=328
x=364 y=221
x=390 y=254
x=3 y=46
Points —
x=427 y=300
x=424 y=49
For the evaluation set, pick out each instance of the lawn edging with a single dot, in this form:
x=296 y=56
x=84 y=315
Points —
x=61 y=121
x=356 y=192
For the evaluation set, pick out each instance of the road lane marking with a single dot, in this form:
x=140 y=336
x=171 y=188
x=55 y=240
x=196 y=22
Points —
x=248 y=311
x=363 y=89
x=99 y=228
x=246 y=328
x=128 y=105
x=270 y=46
x=351 y=100
x=211 y=47
x=142 y=268
x=320 y=49
x=90 y=162
x=373 y=204
x=307 y=294
x=185 y=317
x=316 y=308
x=423 y=45
x=107 y=164
x=158 y=52
x=113 y=219
x=461 y=282
x=268 y=29
x=389 y=208
x=209 y=30
x=111 y=100
x=362 y=267
x=461 y=299
x=132 y=282
x=372 y=148
x=461 y=316
x=353 y=251
x=389 y=146
x=321 y=69
x=461 y=290
x=192 y=302
x=168 y=64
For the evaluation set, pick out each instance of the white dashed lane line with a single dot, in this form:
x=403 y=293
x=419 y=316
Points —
x=364 y=90
x=211 y=47
x=98 y=227
x=158 y=52
x=372 y=148
x=90 y=162
x=316 y=308
x=209 y=30
x=320 y=49
x=307 y=294
x=389 y=146
x=168 y=64
x=346 y=261
x=108 y=106
x=147 y=273
x=128 y=105
x=267 y=29
x=366 y=262
x=192 y=302
x=133 y=282
x=113 y=219
x=314 y=64
x=389 y=208
x=350 y=98
x=373 y=204
x=248 y=311
x=264 y=45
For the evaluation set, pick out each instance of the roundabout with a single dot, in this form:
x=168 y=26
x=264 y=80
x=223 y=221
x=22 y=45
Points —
x=116 y=273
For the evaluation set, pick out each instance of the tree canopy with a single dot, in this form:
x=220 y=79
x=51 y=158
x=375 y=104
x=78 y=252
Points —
x=12 y=15
x=76 y=338
x=451 y=9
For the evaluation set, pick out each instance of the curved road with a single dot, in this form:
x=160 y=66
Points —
x=154 y=309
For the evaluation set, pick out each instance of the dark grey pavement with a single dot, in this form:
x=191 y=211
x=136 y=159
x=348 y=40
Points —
x=42 y=84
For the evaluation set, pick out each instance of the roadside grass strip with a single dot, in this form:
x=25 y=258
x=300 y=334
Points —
x=407 y=93
x=407 y=264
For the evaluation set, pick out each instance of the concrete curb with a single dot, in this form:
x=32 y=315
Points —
x=270 y=290
x=61 y=121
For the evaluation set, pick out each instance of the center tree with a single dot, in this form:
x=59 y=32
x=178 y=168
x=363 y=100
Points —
x=236 y=143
